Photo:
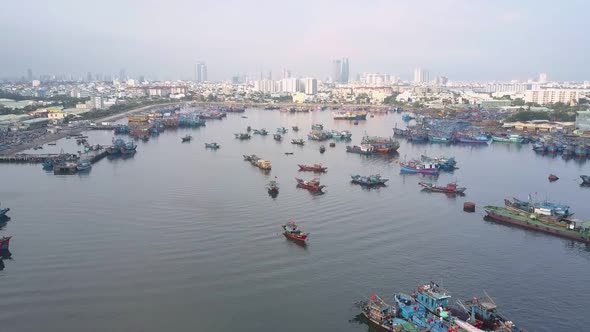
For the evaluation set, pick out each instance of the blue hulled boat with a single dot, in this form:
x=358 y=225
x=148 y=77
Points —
x=3 y=212
x=48 y=165
x=415 y=313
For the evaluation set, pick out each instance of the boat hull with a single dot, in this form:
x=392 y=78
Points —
x=538 y=226
x=295 y=237
x=409 y=169
x=428 y=187
x=5 y=243
x=313 y=169
x=471 y=141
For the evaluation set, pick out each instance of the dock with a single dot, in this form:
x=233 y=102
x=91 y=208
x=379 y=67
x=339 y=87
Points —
x=92 y=156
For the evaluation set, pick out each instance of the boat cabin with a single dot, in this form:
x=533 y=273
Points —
x=435 y=299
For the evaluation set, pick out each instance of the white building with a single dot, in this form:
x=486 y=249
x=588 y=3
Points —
x=291 y=85
x=420 y=76
x=542 y=78
x=265 y=86
x=36 y=83
x=551 y=96
x=376 y=79
x=95 y=102
x=201 y=72
x=511 y=87
x=311 y=86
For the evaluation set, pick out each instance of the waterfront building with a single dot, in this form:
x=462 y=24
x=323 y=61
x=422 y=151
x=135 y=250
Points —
x=311 y=86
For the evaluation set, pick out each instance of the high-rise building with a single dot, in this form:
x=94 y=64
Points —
x=311 y=86
x=542 y=78
x=336 y=71
x=30 y=75
x=286 y=73
x=420 y=76
x=89 y=77
x=201 y=72
x=291 y=85
x=344 y=72
x=122 y=75
x=552 y=96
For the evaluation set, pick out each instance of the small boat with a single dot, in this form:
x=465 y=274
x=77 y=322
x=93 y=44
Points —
x=585 y=179
x=418 y=167
x=52 y=143
x=322 y=149
x=317 y=168
x=212 y=145
x=248 y=129
x=341 y=135
x=553 y=178
x=311 y=185
x=243 y=136
x=244 y=117
x=298 y=141
x=450 y=188
x=383 y=315
x=3 y=212
x=187 y=138
x=317 y=126
x=273 y=188
x=262 y=132
x=484 y=315
x=291 y=231
x=145 y=138
x=5 y=243
x=282 y=130
x=84 y=166
x=369 y=181
x=295 y=128
x=288 y=153
x=362 y=149
x=48 y=165
x=251 y=158
x=332 y=144
x=350 y=115
x=407 y=117
x=277 y=137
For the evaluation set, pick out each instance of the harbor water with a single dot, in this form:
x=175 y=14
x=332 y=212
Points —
x=183 y=238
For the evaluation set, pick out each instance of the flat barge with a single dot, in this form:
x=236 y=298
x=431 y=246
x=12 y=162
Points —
x=566 y=229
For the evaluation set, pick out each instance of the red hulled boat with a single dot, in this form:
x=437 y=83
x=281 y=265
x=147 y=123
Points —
x=450 y=188
x=292 y=232
x=312 y=185
x=5 y=242
x=317 y=168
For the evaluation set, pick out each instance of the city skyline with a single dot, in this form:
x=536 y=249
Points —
x=460 y=39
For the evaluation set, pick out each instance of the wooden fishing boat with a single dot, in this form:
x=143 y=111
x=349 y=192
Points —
x=262 y=132
x=553 y=178
x=585 y=179
x=277 y=137
x=282 y=130
x=450 y=188
x=291 y=231
x=242 y=136
x=318 y=168
x=3 y=212
x=295 y=128
x=418 y=167
x=273 y=188
x=311 y=185
x=187 y=138
x=5 y=242
x=484 y=315
x=298 y=141
x=322 y=149
x=369 y=181
x=212 y=145
x=362 y=149
x=383 y=315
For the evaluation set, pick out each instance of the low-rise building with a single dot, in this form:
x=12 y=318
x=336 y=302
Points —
x=495 y=103
x=551 y=96
x=35 y=123
x=539 y=125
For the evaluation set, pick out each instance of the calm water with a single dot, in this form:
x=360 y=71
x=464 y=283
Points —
x=180 y=238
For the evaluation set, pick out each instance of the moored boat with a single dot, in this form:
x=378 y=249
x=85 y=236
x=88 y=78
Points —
x=483 y=314
x=84 y=166
x=419 y=167
x=553 y=178
x=212 y=145
x=365 y=149
x=383 y=315
x=292 y=231
x=585 y=179
x=471 y=139
x=350 y=115
x=373 y=180
x=341 y=135
x=187 y=138
x=415 y=313
x=317 y=168
x=262 y=132
x=298 y=141
x=317 y=126
x=282 y=130
x=277 y=137
x=295 y=128
x=5 y=243
x=3 y=212
x=311 y=185
x=450 y=188
x=508 y=138
x=574 y=230
x=273 y=188
x=47 y=165
x=322 y=149
x=242 y=136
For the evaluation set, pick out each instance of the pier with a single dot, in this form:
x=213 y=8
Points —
x=92 y=156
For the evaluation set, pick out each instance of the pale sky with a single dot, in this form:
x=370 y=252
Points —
x=460 y=39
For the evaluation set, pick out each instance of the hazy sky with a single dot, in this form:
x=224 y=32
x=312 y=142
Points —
x=465 y=40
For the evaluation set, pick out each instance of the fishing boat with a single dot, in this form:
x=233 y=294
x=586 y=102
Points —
x=374 y=180
x=544 y=208
x=277 y=137
x=365 y=149
x=84 y=166
x=243 y=136
x=553 y=178
x=273 y=187
x=47 y=165
x=317 y=168
x=508 y=138
x=575 y=230
x=129 y=148
x=263 y=164
x=317 y=126
x=400 y=132
x=585 y=179
x=341 y=135
x=318 y=135
x=311 y=185
x=187 y=138
x=471 y=139
x=483 y=314
x=581 y=151
x=212 y=145
x=539 y=147
x=282 y=130
x=5 y=243
x=434 y=299
x=52 y=143
x=322 y=149
x=419 y=167
x=415 y=313
x=251 y=158
x=450 y=188
x=383 y=315
x=298 y=141
x=381 y=144
x=407 y=118
x=350 y=115
x=292 y=231
x=439 y=139
x=289 y=153
x=3 y=212
x=262 y=132
x=443 y=163
x=295 y=128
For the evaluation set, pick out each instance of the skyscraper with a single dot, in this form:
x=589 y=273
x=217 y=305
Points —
x=89 y=77
x=542 y=78
x=336 y=71
x=311 y=86
x=420 y=76
x=286 y=73
x=344 y=72
x=201 y=72
x=30 y=74
x=122 y=75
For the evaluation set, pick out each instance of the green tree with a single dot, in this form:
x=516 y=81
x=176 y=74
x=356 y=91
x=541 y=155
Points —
x=518 y=102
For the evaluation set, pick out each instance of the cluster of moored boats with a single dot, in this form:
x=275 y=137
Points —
x=4 y=240
x=429 y=308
